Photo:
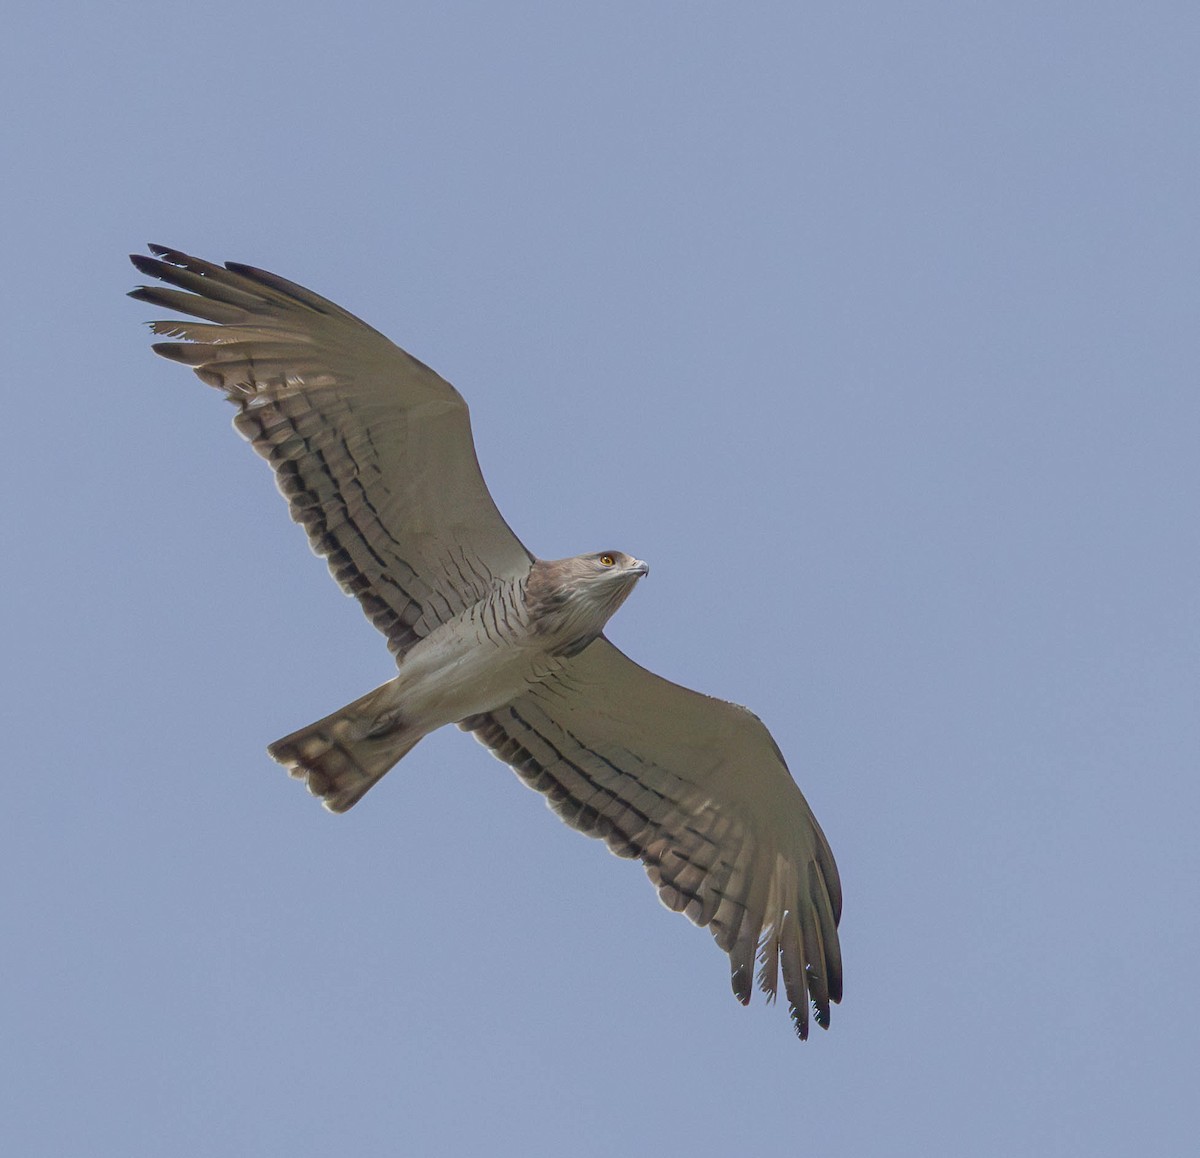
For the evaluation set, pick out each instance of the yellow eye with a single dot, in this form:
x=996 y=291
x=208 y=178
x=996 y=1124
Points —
x=607 y=560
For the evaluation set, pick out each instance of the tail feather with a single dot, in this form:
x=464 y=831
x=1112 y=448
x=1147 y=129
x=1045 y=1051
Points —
x=346 y=753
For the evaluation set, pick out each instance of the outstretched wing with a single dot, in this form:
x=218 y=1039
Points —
x=697 y=789
x=372 y=449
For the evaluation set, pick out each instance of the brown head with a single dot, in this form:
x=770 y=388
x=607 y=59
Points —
x=572 y=599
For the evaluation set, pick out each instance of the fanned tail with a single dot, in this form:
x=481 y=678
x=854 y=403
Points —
x=346 y=753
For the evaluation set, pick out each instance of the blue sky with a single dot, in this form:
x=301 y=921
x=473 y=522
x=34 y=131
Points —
x=871 y=326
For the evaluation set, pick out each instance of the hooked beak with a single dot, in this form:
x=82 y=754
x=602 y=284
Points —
x=639 y=568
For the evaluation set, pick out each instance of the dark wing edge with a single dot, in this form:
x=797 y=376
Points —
x=346 y=419
x=753 y=867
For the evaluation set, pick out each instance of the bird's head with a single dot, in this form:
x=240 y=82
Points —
x=574 y=598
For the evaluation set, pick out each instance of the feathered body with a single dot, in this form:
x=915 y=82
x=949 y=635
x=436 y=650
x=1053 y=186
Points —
x=519 y=635
x=374 y=454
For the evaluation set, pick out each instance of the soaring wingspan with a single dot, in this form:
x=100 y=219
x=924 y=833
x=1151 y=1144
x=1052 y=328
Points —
x=374 y=454
x=696 y=788
x=371 y=448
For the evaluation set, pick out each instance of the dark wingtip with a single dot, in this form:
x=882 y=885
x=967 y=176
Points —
x=835 y=988
x=143 y=264
x=800 y=1021
x=165 y=253
x=743 y=984
x=175 y=351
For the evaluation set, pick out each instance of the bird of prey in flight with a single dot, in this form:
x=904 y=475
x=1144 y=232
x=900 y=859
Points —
x=373 y=452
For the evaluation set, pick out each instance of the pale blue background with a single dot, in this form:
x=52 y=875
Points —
x=873 y=326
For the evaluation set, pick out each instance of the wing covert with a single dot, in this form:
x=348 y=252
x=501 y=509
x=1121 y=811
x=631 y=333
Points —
x=696 y=789
x=371 y=448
